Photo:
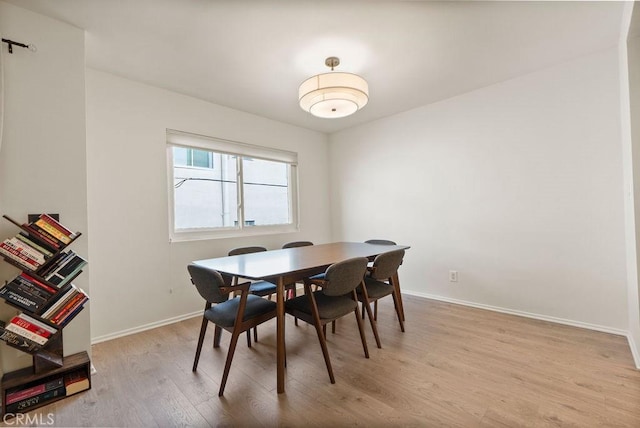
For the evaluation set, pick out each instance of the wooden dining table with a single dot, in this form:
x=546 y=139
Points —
x=288 y=266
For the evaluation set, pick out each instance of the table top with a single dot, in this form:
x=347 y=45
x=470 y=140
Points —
x=276 y=263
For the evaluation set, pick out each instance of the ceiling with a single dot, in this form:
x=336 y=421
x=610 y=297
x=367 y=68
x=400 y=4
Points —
x=253 y=55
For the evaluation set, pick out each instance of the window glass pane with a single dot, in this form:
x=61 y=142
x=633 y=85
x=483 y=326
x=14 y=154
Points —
x=266 y=192
x=202 y=158
x=205 y=198
x=180 y=156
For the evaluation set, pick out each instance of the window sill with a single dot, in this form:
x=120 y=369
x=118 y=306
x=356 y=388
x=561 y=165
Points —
x=231 y=233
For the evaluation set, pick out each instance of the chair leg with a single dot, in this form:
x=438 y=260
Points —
x=227 y=365
x=375 y=310
x=249 y=338
x=333 y=327
x=324 y=331
x=373 y=322
x=216 y=336
x=361 y=328
x=203 y=331
x=255 y=334
x=396 y=303
x=396 y=285
x=325 y=351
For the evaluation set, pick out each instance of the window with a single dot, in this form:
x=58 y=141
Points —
x=220 y=188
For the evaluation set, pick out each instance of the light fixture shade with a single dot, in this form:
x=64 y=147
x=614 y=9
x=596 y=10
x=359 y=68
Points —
x=333 y=95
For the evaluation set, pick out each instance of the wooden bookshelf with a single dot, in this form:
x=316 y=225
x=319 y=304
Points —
x=49 y=364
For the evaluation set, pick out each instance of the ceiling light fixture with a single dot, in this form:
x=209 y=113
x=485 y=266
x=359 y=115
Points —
x=333 y=95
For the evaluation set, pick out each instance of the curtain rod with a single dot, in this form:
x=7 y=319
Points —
x=11 y=43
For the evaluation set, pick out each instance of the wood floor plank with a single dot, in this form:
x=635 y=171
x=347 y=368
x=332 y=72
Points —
x=454 y=366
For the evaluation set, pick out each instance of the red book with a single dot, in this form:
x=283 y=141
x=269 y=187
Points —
x=38 y=233
x=38 y=283
x=53 y=222
x=75 y=301
x=31 y=327
x=20 y=255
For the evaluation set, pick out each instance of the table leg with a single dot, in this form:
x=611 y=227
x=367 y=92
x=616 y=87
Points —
x=280 y=334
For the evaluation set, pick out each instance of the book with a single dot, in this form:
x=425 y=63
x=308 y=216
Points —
x=19 y=300
x=25 y=249
x=19 y=342
x=76 y=302
x=38 y=323
x=75 y=382
x=71 y=315
x=36 y=282
x=22 y=260
x=51 y=230
x=58 y=261
x=36 y=243
x=67 y=272
x=60 y=302
x=42 y=235
x=28 y=290
x=32 y=327
x=55 y=223
x=23 y=405
x=13 y=327
x=22 y=393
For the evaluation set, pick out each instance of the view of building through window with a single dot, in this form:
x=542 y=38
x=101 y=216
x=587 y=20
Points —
x=207 y=188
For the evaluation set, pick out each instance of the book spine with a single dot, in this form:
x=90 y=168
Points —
x=25 y=404
x=43 y=236
x=64 y=298
x=19 y=342
x=37 y=323
x=72 y=267
x=28 y=251
x=37 y=241
x=72 y=314
x=19 y=300
x=38 y=283
x=78 y=299
x=27 y=291
x=21 y=259
x=34 y=245
x=55 y=263
x=22 y=394
x=43 y=225
x=53 y=222
x=40 y=340
x=21 y=322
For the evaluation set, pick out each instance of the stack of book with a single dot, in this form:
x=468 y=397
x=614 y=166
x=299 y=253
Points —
x=65 y=308
x=40 y=240
x=26 y=333
x=27 y=292
x=65 y=267
x=21 y=399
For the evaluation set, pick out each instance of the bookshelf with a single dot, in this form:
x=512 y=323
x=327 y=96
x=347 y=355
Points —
x=47 y=300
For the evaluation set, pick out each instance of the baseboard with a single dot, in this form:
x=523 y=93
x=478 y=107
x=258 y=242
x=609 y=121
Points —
x=556 y=320
x=634 y=350
x=145 y=327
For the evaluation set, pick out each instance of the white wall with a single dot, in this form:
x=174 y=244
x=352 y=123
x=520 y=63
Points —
x=517 y=186
x=42 y=158
x=134 y=266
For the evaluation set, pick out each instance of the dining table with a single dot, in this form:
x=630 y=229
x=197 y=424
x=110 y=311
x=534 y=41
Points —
x=287 y=266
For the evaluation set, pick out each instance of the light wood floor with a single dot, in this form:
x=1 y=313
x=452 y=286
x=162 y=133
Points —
x=454 y=366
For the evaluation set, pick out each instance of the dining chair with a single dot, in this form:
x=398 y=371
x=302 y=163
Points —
x=336 y=299
x=397 y=284
x=296 y=244
x=381 y=283
x=236 y=315
x=293 y=288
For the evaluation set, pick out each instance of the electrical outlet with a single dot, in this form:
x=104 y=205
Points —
x=453 y=276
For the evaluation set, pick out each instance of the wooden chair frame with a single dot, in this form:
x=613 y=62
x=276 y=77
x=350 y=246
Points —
x=239 y=327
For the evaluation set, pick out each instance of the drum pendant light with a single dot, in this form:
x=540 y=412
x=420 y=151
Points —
x=333 y=95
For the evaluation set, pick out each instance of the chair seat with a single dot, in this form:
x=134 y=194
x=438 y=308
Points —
x=262 y=288
x=329 y=307
x=224 y=314
x=376 y=289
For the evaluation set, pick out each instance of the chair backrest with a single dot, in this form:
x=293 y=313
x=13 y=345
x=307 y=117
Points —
x=296 y=244
x=208 y=283
x=246 y=250
x=380 y=242
x=345 y=276
x=387 y=264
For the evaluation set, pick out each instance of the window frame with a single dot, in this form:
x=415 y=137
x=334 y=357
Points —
x=176 y=138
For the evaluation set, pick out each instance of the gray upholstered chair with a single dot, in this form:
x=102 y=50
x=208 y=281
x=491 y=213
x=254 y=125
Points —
x=296 y=244
x=259 y=288
x=235 y=315
x=381 y=283
x=335 y=299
